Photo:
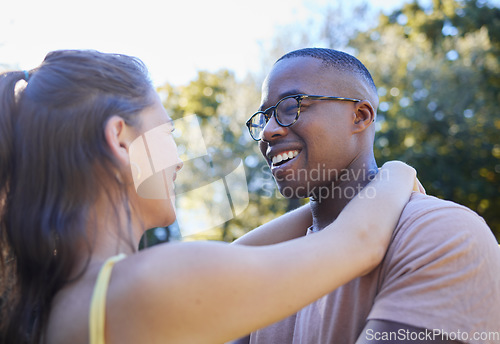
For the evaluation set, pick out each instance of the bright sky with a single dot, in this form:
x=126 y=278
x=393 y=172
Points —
x=175 y=38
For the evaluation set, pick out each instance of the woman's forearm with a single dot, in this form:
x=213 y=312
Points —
x=294 y=224
x=289 y=226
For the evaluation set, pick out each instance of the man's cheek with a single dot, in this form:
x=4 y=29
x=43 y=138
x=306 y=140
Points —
x=263 y=147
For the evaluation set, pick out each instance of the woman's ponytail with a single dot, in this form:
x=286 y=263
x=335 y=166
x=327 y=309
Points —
x=12 y=85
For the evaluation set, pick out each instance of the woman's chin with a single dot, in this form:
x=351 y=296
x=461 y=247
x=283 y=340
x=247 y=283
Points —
x=163 y=220
x=169 y=222
x=158 y=213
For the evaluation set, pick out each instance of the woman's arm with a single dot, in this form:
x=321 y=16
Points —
x=289 y=226
x=213 y=292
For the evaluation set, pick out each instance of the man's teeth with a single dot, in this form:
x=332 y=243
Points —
x=284 y=156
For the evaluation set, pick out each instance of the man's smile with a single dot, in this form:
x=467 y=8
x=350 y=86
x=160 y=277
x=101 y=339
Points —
x=281 y=158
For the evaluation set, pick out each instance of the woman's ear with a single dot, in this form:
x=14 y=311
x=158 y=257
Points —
x=116 y=133
x=364 y=116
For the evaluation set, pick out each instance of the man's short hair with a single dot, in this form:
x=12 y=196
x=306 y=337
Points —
x=336 y=59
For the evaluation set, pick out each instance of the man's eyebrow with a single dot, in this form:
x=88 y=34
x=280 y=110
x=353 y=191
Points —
x=290 y=93
x=283 y=95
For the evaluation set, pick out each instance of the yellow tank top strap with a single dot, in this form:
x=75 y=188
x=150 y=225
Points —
x=97 y=315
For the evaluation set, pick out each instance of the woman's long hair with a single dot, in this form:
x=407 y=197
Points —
x=54 y=165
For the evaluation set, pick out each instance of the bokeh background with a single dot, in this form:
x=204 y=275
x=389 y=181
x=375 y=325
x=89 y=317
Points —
x=436 y=65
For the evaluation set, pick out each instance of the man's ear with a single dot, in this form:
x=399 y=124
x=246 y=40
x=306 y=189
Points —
x=117 y=137
x=364 y=116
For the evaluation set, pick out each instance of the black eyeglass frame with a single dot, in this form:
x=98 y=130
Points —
x=298 y=98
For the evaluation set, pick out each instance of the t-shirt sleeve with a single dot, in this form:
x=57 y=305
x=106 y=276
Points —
x=442 y=272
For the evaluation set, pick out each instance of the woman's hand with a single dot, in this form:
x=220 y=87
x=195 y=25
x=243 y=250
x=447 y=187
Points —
x=373 y=214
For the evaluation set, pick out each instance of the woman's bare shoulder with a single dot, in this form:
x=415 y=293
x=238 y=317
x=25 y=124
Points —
x=146 y=289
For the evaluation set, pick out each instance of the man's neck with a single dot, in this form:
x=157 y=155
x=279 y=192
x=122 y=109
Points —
x=326 y=207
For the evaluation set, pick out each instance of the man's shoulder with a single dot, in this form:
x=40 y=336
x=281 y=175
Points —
x=429 y=214
x=434 y=227
x=420 y=204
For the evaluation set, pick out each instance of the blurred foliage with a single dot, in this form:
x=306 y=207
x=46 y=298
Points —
x=438 y=75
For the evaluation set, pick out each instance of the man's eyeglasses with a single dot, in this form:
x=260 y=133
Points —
x=286 y=111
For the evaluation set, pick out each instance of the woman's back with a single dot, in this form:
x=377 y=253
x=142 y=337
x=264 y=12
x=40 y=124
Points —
x=70 y=314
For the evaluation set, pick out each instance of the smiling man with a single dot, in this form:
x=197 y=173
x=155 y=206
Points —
x=440 y=278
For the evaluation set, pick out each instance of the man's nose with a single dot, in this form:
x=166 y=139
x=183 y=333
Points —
x=273 y=130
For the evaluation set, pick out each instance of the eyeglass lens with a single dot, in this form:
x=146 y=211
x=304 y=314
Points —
x=286 y=113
